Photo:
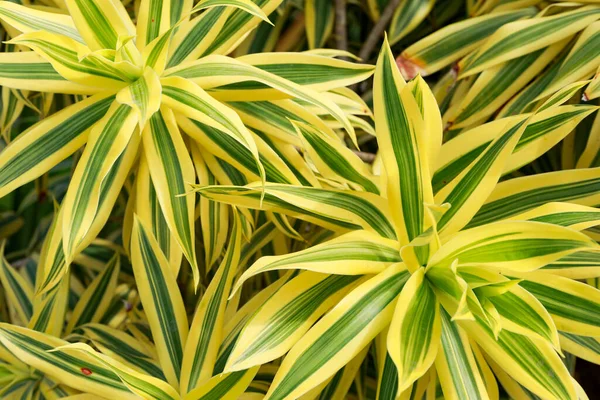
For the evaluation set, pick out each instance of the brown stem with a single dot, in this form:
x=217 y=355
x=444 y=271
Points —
x=366 y=157
x=340 y=25
x=375 y=34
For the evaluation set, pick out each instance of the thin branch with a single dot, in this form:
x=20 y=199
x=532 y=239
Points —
x=341 y=33
x=369 y=158
x=377 y=30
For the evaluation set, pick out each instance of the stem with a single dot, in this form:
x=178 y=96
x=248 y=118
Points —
x=377 y=30
x=366 y=157
x=341 y=34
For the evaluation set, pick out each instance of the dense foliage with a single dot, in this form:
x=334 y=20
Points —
x=280 y=199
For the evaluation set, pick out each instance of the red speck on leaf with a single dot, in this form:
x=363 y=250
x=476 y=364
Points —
x=152 y=19
x=86 y=371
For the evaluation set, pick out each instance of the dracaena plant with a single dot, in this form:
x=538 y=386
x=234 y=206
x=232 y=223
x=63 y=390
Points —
x=98 y=302
x=520 y=54
x=504 y=59
x=91 y=302
x=457 y=280
x=144 y=349
x=148 y=93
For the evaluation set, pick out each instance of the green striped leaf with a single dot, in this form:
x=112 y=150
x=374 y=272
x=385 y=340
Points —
x=339 y=336
x=26 y=19
x=148 y=209
x=50 y=387
x=12 y=107
x=116 y=312
x=179 y=10
x=521 y=37
x=242 y=164
x=193 y=37
x=286 y=317
x=172 y=170
x=122 y=347
x=407 y=17
x=458 y=153
x=277 y=168
x=93 y=70
x=457 y=368
x=34 y=348
x=238 y=24
x=292 y=159
x=415 y=331
x=431 y=117
x=525 y=100
x=467 y=192
x=584 y=347
x=593 y=89
x=308 y=70
x=206 y=332
x=244 y=5
x=355 y=253
x=224 y=386
x=320 y=15
x=156 y=53
x=185 y=97
x=519 y=195
x=387 y=380
x=580 y=63
x=449 y=44
x=402 y=139
x=496 y=85
x=264 y=37
x=214 y=216
x=154 y=19
x=522 y=313
x=275 y=118
x=18 y=291
x=511 y=245
x=48 y=142
x=563 y=95
x=579 y=265
x=95 y=300
x=339 y=386
x=142 y=385
x=573 y=305
x=49 y=309
x=235 y=325
x=532 y=363
x=542 y=132
x=486 y=372
x=108 y=140
x=334 y=160
x=52 y=259
x=19 y=388
x=334 y=209
x=52 y=266
x=161 y=299
x=224 y=171
x=143 y=96
x=214 y=71
x=101 y=23
x=260 y=238
x=570 y=215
